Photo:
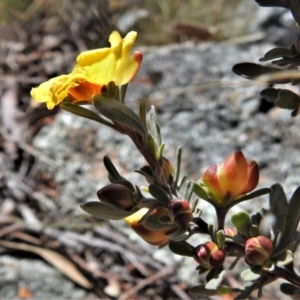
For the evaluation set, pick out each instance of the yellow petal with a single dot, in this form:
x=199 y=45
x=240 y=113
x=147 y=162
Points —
x=55 y=90
x=128 y=42
x=127 y=69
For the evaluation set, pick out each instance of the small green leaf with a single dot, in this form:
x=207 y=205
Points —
x=252 y=71
x=106 y=211
x=120 y=113
x=288 y=100
x=143 y=110
x=242 y=222
x=221 y=239
x=177 y=170
x=270 y=94
x=271 y=3
x=154 y=126
x=153 y=223
x=112 y=171
x=85 y=113
x=200 y=192
x=289 y=289
x=278 y=206
x=253 y=230
x=215 y=282
x=189 y=190
x=292 y=218
x=276 y=53
x=200 y=290
x=252 y=195
x=283 y=259
x=159 y=193
x=180 y=234
x=251 y=274
x=181 y=248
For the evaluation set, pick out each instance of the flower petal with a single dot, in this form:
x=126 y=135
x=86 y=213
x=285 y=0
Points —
x=128 y=68
x=211 y=181
x=233 y=174
x=84 y=91
x=253 y=177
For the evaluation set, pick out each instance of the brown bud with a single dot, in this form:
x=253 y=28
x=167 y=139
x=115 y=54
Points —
x=209 y=255
x=258 y=250
x=180 y=212
x=119 y=194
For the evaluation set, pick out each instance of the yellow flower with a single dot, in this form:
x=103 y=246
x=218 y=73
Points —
x=94 y=69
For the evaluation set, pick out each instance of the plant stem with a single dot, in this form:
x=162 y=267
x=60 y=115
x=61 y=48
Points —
x=287 y=275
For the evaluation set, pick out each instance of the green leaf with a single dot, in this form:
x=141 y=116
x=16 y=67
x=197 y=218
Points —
x=106 y=211
x=221 y=239
x=252 y=71
x=294 y=6
x=270 y=94
x=292 y=218
x=288 y=100
x=276 y=53
x=278 y=206
x=271 y=3
x=177 y=170
x=152 y=223
x=289 y=289
x=120 y=113
x=251 y=274
x=112 y=171
x=159 y=193
x=155 y=129
x=200 y=192
x=252 y=195
x=181 y=248
x=283 y=259
x=215 y=282
x=189 y=190
x=143 y=110
x=200 y=290
x=85 y=113
x=242 y=222
x=180 y=234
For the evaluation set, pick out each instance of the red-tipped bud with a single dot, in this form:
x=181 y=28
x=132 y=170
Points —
x=209 y=255
x=153 y=237
x=180 y=212
x=258 y=250
x=235 y=176
x=119 y=194
x=230 y=232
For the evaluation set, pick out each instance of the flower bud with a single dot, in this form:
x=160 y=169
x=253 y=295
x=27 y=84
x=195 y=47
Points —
x=230 y=232
x=180 y=212
x=235 y=176
x=153 y=237
x=209 y=255
x=119 y=193
x=258 y=250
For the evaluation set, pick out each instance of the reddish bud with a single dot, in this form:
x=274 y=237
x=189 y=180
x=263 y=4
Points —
x=180 y=212
x=119 y=194
x=235 y=176
x=153 y=237
x=230 y=232
x=209 y=255
x=258 y=250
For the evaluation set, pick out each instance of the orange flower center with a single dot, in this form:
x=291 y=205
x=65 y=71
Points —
x=84 y=91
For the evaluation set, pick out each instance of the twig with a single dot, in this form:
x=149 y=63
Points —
x=145 y=282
